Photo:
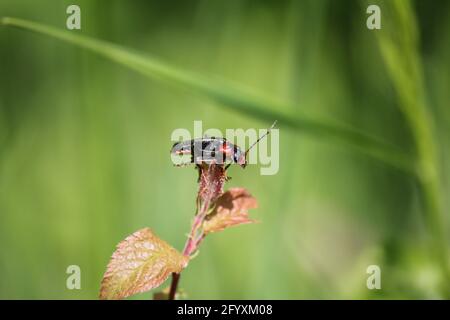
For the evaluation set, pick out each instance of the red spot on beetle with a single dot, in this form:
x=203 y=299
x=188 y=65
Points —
x=225 y=148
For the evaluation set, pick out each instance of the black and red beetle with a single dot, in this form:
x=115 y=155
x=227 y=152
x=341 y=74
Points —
x=210 y=150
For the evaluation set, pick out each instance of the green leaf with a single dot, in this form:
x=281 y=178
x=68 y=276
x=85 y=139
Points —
x=230 y=95
x=140 y=263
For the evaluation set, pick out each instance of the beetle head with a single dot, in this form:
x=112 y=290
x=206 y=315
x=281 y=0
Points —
x=240 y=158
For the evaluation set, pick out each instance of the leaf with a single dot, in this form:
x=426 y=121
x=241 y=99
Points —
x=230 y=95
x=231 y=210
x=211 y=180
x=141 y=262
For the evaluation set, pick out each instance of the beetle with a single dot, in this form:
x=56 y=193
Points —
x=210 y=150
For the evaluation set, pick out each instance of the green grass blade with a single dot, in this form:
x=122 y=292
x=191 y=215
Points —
x=229 y=95
x=399 y=45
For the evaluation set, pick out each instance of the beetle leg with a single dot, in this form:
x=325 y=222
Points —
x=181 y=165
x=199 y=172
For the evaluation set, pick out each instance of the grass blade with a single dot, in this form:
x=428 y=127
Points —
x=399 y=45
x=229 y=95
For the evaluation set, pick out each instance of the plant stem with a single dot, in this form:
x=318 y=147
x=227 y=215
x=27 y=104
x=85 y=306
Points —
x=173 y=285
x=212 y=179
x=190 y=247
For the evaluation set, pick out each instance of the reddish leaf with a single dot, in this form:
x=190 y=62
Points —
x=230 y=210
x=141 y=262
x=211 y=180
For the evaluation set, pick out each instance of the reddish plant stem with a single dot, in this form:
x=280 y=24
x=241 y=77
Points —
x=212 y=178
x=190 y=247
x=173 y=286
x=191 y=243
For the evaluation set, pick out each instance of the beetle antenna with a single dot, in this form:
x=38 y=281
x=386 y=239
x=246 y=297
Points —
x=259 y=139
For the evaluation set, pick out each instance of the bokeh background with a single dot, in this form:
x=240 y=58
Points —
x=84 y=147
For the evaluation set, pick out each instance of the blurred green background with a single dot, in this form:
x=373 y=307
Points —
x=84 y=147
